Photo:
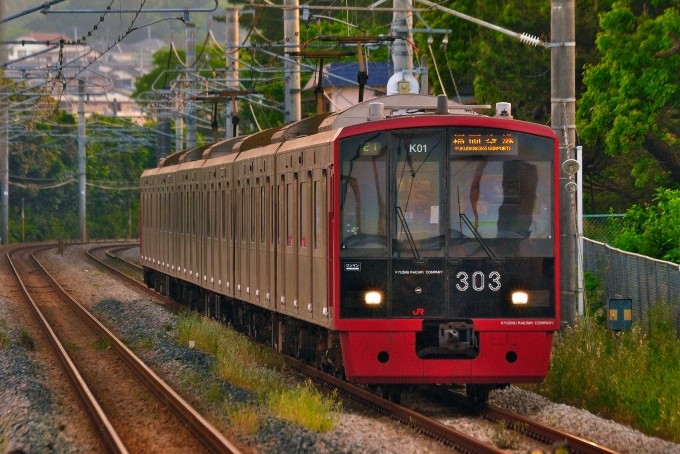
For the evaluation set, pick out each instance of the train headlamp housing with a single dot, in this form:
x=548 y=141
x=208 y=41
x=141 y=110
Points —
x=520 y=298
x=373 y=298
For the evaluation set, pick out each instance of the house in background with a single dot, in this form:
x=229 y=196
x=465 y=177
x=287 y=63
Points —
x=340 y=87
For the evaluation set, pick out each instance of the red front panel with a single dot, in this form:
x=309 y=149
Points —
x=390 y=357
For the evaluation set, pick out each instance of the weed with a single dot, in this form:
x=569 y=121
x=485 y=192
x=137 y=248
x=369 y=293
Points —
x=26 y=340
x=253 y=367
x=168 y=327
x=305 y=406
x=604 y=372
x=101 y=344
x=504 y=438
x=70 y=346
x=245 y=417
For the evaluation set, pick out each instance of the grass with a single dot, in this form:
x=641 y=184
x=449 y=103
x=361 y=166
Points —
x=258 y=369
x=631 y=376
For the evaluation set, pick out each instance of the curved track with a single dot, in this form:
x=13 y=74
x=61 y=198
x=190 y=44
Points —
x=110 y=381
x=445 y=434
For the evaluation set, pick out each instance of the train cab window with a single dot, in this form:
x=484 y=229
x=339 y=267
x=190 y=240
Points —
x=418 y=192
x=363 y=195
x=502 y=192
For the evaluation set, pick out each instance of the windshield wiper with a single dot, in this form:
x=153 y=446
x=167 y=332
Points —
x=409 y=237
x=479 y=238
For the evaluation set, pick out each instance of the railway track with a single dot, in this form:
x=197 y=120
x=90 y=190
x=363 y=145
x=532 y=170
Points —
x=120 y=394
x=445 y=434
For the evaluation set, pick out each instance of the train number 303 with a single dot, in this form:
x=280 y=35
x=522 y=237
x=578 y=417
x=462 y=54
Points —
x=478 y=281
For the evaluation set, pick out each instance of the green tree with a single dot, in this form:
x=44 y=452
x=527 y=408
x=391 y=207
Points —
x=629 y=109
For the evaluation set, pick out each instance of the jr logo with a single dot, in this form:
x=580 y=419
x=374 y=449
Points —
x=419 y=311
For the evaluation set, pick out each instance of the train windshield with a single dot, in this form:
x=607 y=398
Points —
x=500 y=194
x=455 y=192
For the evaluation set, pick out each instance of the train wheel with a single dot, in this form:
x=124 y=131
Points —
x=391 y=393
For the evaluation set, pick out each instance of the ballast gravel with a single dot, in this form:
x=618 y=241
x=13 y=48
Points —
x=32 y=419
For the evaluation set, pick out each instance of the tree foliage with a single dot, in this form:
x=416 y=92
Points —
x=654 y=229
x=629 y=109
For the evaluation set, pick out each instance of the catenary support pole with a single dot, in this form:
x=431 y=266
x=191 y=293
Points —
x=4 y=162
x=231 y=51
x=402 y=23
x=191 y=84
x=82 y=227
x=291 y=35
x=563 y=111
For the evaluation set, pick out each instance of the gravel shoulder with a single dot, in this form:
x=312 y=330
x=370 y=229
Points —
x=37 y=416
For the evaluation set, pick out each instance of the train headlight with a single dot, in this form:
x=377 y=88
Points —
x=520 y=298
x=373 y=298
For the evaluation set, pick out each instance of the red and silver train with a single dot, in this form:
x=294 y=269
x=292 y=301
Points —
x=405 y=240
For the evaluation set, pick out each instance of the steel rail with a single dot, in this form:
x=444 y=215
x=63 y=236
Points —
x=127 y=279
x=542 y=432
x=428 y=426
x=110 y=254
x=205 y=431
x=527 y=426
x=100 y=421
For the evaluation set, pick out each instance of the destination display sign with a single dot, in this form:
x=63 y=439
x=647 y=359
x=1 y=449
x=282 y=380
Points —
x=484 y=143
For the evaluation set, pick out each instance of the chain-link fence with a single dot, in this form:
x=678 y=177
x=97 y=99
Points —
x=644 y=280
x=602 y=227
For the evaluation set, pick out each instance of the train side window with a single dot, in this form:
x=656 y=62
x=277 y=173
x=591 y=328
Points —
x=263 y=214
x=303 y=214
x=243 y=214
x=316 y=200
x=289 y=215
x=225 y=206
x=252 y=214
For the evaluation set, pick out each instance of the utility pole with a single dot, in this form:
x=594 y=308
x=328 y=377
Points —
x=402 y=23
x=231 y=51
x=191 y=84
x=179 y=122
x=291 y=35
x=563 y=112
x=81 y=161
x=4 y=164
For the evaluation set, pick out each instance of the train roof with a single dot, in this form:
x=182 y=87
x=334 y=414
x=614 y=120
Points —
x=374 y=110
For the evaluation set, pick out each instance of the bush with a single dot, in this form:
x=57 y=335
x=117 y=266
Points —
x=605 y=371
x=653 y=230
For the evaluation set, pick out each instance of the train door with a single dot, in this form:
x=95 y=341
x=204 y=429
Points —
x=271 y=292
x=253 y=279
x=263 y=242
x=217 y=239
x=193 y=220
x=240 y=245
x=291 y=228
x=210 y=233
x=227 y=239
x=318 y=235
x=303 y=239
x=279 y=216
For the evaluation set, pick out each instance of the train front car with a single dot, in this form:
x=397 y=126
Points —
x=447 y=237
